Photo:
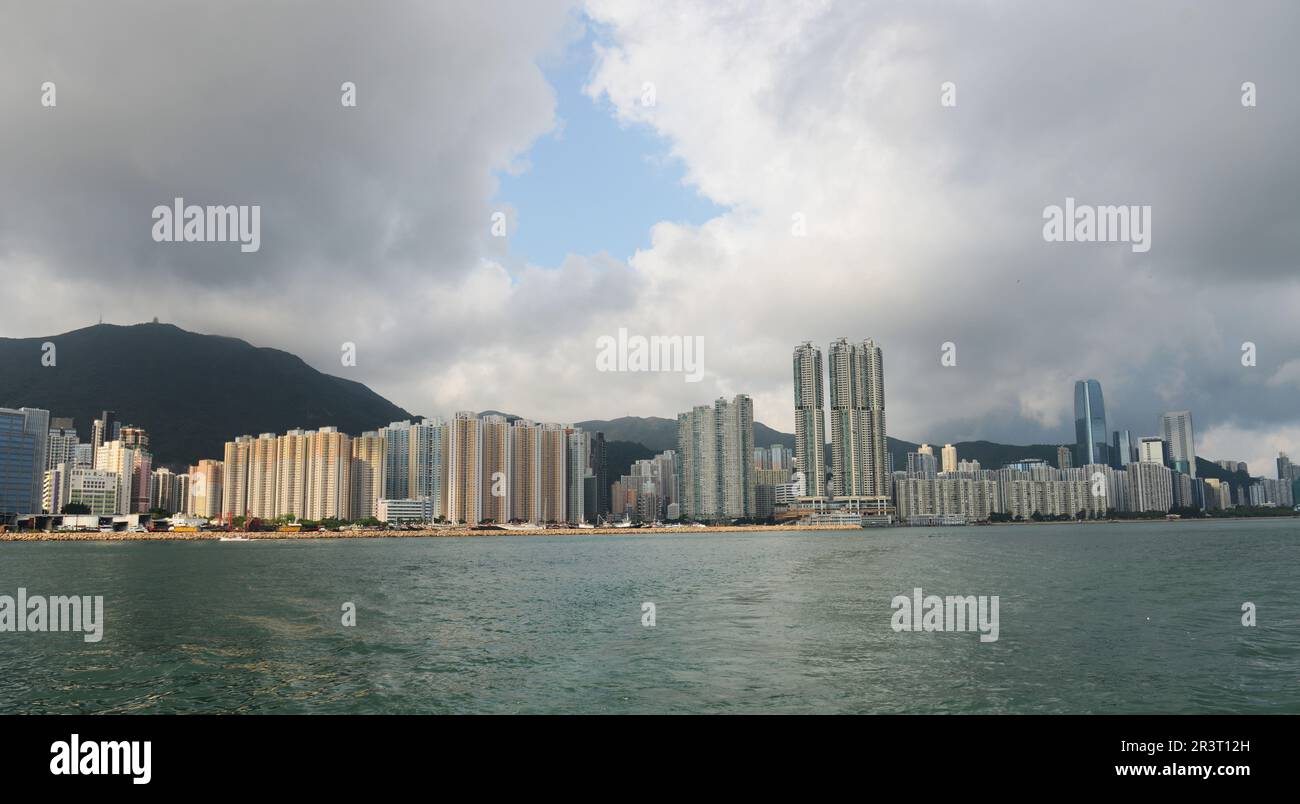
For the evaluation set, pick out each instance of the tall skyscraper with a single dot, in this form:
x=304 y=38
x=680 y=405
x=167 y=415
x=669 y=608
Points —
x=234 y=490
x=205 y=489
x=553 y=473
x=24 y=438
x=1063 y=460
x=369 y=463
x=525 y=471
x=104 y=429
x=162 y=491
x=62 y=446
x=575 y=477
x=1123 y=449
x=735 y=420
x=329 y=474
x=1090 y=424
x=496 y=468
x=697 y=444
x=809 y=424
x=850 y=423
x=428 y=464
x=1285 y=469
x=263 y=472
x=715 y=450
x=950 y=458
x=1177 y=430
x=290 y=474
x=877 y=454
x=465 y=469
x=141 y=475
x=600 y=468
x=119 y=459
x=399 y=460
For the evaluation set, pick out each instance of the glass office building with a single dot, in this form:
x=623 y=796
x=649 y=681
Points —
x=23 y=437
x=1090 y=424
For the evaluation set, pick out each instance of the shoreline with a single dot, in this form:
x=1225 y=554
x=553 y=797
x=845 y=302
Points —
x=456 y=533
x=212 y=536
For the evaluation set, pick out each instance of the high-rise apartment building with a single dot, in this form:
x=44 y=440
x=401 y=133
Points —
x=950 y=458
x=399 y=460
x=206 y=489
x=292 y=451
x=234 y=491
x=162 y=491
x=62 y=445
x=369 y=463
x=1151 y=484
x=329 y=474
x=715 y=447
x=809 y=424
x=427 y=472
x=525 y=471
x=848 y=414
x=263 y=472
x=119 y=459
x=465 y=469
x=575 y=475
x=496 y=490
x=553 y=473
x=878 y=464
x=599 y=462
x=1063 y=460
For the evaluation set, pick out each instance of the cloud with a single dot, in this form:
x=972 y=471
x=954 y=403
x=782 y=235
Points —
x=922 y=224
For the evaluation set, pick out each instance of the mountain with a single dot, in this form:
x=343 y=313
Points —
x=659 y=434
x=190 y=392
x=193 y=392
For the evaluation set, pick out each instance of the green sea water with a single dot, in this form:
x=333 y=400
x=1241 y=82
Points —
x=1121 y=618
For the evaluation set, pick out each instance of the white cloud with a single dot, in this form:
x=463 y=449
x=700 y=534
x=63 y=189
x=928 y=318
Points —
x=924 y=223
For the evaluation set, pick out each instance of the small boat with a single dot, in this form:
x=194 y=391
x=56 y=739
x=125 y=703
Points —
x=235 y=539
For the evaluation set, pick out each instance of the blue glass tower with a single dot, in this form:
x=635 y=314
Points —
x=1090 y=424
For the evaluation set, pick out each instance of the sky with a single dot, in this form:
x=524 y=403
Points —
x=750 y=174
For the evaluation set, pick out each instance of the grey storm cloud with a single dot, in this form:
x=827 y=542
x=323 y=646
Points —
x=924 y=222
x=239 y=103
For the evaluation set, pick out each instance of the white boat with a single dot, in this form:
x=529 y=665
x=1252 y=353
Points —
x=522 y=526
x=586 y=526
x=235 y=539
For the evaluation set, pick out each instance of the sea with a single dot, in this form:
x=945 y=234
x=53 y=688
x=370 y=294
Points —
x=1136 y=617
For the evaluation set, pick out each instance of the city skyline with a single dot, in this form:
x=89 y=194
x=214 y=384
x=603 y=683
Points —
x=485 y=467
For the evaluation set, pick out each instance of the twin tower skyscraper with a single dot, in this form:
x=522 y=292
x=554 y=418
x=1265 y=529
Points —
x=859 y=454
